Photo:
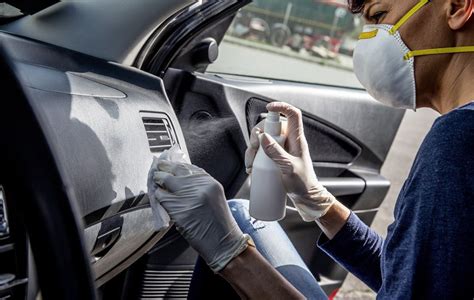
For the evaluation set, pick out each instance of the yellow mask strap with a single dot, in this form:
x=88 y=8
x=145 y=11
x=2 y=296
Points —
x=368 y=34
x=449 y=50
x=408 y=15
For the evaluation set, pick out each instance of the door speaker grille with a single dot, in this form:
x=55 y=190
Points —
x=166 y=284
x=159 y=132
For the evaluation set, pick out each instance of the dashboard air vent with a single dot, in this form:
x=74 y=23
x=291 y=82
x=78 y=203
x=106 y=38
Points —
x=160 y=133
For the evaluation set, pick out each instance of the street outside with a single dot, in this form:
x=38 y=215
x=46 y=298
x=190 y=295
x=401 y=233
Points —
x=276 y=64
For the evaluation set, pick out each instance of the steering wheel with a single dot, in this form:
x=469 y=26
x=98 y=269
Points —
x=39 y=195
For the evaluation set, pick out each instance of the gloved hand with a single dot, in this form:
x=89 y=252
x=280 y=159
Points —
x=309 y=196
x=196 y=203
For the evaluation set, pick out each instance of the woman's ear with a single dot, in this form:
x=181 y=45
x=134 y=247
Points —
x=460 y=13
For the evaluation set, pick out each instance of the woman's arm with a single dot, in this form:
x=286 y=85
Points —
x=252 y=277
x=352 y=244
x=347 y=239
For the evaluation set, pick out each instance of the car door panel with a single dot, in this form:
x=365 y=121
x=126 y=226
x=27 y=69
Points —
x=331 y=130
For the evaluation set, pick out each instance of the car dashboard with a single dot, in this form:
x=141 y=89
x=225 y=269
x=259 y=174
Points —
x=104 y=123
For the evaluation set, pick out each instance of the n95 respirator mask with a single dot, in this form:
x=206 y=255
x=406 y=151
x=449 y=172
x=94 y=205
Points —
x=381 y=69
x=385 y=65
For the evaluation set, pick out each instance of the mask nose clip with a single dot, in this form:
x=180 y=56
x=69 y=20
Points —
x=368 y=34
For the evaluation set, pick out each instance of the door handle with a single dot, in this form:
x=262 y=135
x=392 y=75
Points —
x=338 y=186
x=343 y=186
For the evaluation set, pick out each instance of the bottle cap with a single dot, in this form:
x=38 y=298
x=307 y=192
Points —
x=273 y=116
x=273 y=124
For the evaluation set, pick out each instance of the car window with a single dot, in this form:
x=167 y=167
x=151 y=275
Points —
x=296 y=40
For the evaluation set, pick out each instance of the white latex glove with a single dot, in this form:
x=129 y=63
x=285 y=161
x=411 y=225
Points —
x=196 y=203
x=309 y=196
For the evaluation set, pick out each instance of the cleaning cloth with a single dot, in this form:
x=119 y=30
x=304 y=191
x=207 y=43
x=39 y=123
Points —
x=161 y=217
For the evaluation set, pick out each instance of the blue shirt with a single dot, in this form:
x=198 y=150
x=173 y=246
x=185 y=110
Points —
x=429 y=249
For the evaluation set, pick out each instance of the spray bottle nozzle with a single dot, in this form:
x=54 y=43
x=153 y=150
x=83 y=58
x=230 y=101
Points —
x=273 y=116
x=273 y=123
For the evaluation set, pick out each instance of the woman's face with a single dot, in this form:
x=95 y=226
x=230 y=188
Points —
x=426 y=29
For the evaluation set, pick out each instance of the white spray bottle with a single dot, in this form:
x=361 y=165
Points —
x=267 y=193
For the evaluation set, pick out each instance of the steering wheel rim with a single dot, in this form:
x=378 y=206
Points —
x=40 y=194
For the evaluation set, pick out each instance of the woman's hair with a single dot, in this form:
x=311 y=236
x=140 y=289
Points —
x=356 y=6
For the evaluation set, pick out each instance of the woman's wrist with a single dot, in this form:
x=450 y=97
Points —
x=334 y=219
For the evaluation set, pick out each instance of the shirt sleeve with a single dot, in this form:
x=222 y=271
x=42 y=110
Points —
x=358 y=249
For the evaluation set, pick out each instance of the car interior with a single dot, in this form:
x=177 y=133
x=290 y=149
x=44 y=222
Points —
x=93 y=90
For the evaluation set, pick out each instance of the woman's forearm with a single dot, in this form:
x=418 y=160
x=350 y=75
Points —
x=254 y=278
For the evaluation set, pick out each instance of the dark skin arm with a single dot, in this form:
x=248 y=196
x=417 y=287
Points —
x=252 y=277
